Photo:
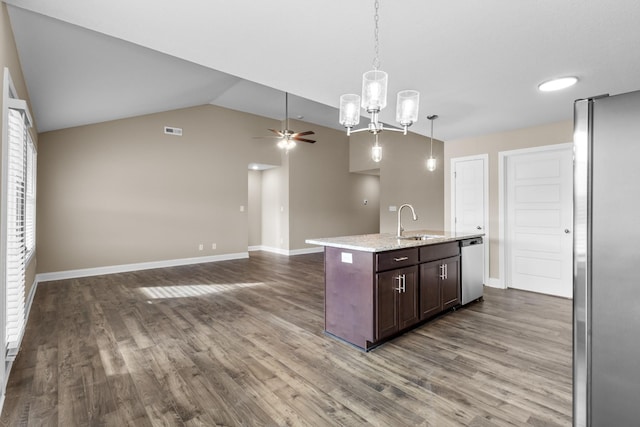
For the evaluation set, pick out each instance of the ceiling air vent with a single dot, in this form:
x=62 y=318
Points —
x=173 y=131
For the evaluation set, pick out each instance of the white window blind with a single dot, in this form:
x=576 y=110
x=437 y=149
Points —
x=30 y=209
x=16 y=252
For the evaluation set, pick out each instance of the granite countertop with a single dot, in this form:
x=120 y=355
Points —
x=388 y=241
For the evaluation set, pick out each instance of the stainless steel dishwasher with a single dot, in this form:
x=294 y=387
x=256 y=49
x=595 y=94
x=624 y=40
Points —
x=472 y=258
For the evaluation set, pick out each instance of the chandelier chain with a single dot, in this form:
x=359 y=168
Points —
x=376 y=18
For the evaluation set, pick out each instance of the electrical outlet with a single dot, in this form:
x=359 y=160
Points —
x=201 y=247
x=241 y=208
x=393 y=208
x=213 y=246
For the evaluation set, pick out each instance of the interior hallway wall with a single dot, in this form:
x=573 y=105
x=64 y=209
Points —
x=254 y=208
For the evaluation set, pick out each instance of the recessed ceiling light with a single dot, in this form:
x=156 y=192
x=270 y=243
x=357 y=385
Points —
x=557 y=84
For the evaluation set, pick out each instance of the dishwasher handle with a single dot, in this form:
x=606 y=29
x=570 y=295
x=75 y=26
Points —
x=471 y=242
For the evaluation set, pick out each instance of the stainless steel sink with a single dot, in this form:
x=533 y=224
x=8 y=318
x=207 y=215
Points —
x=422 y=237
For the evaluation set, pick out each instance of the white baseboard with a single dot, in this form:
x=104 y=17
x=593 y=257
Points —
x=286 y=252
x=495 y=283
x=86 y=272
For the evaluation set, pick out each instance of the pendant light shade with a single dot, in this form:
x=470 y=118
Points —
x=432 y=163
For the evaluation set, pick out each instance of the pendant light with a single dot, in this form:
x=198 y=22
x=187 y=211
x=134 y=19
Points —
x=376 y=151
x=432 y=163
x=374 y=97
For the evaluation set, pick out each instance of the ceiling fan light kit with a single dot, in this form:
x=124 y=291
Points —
x=374 y=98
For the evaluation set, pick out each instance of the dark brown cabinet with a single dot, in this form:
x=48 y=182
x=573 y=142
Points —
x=372 y=296
x=439 y=286
x=396 y=301
x=450 y=283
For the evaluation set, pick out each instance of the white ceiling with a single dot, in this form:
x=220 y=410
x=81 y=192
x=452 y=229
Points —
x=475 y=63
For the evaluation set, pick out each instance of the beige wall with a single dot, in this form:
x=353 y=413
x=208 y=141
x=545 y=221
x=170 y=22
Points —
x=326 y=200
x=403 y=177
x=122 y=192
x=9 y=58
x=555 y=133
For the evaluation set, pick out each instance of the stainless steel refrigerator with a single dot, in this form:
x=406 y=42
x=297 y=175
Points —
x=606 y=302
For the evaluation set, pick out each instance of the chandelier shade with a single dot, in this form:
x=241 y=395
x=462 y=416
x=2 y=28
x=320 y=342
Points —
x=349 y=110
x=374 y=90
x=376 y=151
x=407 y=107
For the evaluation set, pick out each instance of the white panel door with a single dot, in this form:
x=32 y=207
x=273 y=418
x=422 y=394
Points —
x=470 y=198
x=469 y=195
x=539 y=220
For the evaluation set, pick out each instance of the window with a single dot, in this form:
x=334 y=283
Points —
x=18 y=212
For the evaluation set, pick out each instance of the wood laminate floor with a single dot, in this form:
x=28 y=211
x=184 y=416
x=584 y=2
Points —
x=241 y=343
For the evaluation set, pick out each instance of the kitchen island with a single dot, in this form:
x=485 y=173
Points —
x=378 y=286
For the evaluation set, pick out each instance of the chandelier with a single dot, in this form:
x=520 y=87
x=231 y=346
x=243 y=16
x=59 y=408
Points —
x=374 y=98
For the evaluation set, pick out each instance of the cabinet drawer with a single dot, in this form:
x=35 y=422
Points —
x=396 y=259
x=439 y=251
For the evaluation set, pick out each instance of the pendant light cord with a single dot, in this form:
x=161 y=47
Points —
x=431 y=138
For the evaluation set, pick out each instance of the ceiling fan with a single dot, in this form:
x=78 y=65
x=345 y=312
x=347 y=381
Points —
x=288 y=138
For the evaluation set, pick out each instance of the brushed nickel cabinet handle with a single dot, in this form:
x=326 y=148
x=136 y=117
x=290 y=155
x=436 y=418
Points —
x=400 y=286
x=404 y=258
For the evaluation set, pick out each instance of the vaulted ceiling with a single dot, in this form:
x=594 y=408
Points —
x=476 y=64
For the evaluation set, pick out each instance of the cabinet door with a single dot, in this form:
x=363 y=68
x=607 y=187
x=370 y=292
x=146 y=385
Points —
x=450 y=284
x=430 y=299
x=408 y=312
x=386 y=310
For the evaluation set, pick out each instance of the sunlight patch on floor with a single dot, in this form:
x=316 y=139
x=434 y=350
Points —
x=187 y=291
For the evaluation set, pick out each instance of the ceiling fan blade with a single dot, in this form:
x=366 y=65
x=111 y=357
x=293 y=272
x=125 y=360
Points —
x=277 y=132
x=303 y=139
x=309 y=132
x=266 y=137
